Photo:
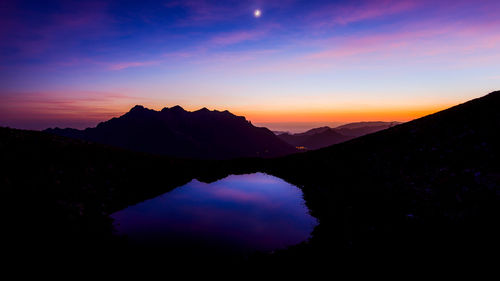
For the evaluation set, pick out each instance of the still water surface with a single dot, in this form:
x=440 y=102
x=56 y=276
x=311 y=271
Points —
x=240 y=213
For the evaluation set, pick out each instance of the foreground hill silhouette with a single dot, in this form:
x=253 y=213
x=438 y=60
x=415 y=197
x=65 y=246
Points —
x=59 y=191
x=426 y=185
x=177 y=132
x=430 y=185
x=325 y=136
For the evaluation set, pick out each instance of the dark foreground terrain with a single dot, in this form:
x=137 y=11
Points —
x=432 y=184
x=429 y=186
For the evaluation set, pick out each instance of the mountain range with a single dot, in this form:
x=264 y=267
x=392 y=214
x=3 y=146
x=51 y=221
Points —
x=431 y=185
x=206 y=134
x=325 y=136
x=176 y=132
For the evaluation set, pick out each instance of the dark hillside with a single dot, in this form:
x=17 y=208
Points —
x=59 y=189
x=433 y=183
x=429 y=185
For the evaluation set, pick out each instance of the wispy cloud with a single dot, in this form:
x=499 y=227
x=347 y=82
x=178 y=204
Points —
x=346 y=13
x=123 y=65
x=210 y=46
x=231 y=38
x=452 y=42
x=52 y=34
x=201 y=12
x=39 y=110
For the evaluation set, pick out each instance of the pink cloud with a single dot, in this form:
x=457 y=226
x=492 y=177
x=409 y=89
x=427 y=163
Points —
x=222 y=60
x=236 y=37
x=197 y=54
x=344 y=14
x=433 y=38
x=179 y=54
x=39 y=110
x=123 y=65
x=453 y=43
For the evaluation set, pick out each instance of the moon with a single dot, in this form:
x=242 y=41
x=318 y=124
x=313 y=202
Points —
x=257 y=13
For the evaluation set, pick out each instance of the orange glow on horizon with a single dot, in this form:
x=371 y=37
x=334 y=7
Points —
x=345 y=115
x=54 y=111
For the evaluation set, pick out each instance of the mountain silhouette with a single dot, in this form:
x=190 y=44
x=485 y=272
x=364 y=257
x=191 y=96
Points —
x=180 y=133
x=313 y=131
x=314 y=138
x=325 y=136
x=431 y=183
x=363 y=128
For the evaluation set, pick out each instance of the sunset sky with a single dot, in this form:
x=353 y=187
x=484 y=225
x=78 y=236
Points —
x=75 y=63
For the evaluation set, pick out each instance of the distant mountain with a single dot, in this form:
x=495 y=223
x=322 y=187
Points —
x=279 y=132
x=363 y=128
x=176 y=132
x=430 y=186
x=432 y=183
x=323 y=139
x=314 y=131
x=325 y=136
x=314 y=139
x=358 y=125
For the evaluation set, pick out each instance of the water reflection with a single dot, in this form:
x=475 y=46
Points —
x=240 y=213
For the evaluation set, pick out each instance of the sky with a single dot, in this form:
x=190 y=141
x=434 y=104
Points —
x=299 y=64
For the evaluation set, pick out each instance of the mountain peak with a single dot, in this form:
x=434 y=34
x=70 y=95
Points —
x=173 y=131
x=177 y=108
x=137 y=108
x=203 y=110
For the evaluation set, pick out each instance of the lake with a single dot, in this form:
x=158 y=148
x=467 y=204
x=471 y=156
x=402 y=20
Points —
x=237 y=214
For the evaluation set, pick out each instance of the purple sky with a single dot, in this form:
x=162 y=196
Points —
x=75 y=63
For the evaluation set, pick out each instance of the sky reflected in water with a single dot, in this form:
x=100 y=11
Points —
x=240 y=213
